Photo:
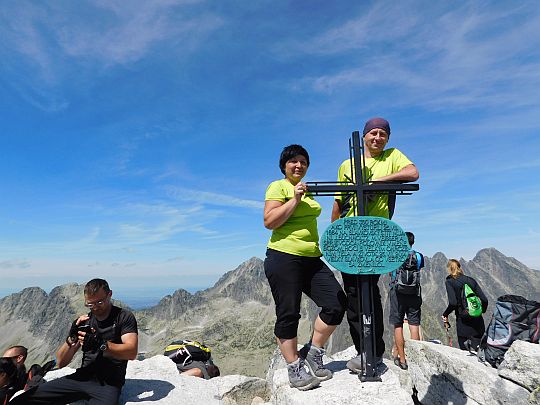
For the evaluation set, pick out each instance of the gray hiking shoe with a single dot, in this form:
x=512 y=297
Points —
x=313 y=357
x=355 y=365
x=299 y=377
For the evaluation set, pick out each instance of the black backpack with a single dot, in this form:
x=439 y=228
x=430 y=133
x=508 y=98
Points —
x=185 y=351
x=514 y=318
x=36 y=373
x=408 y=275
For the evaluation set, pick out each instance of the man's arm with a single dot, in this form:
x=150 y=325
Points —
x=65 y=353
x=127 y=350
x=336 y=211
x=408 y=173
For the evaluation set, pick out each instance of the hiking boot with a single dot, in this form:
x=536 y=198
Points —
x=299 y=377
x=313 y=359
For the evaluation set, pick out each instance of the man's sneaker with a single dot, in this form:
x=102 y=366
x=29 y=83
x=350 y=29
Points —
x=355 y=365
x=313 y=358
x=380 y=367
x=299 y=377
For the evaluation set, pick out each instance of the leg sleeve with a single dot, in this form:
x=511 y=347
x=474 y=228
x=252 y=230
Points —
x=349 y=283
x=353 y=317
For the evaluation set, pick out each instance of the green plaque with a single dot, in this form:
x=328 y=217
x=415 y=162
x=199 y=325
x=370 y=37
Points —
x=365 y=245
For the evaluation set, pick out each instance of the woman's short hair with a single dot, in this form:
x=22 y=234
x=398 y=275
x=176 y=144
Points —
x=454 y=268
x=289 y=152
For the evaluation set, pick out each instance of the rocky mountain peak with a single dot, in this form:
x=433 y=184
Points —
x=245 y=283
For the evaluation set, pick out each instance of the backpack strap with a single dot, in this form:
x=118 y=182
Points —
x=418 y=260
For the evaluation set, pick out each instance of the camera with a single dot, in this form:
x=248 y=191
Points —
x=84 y=328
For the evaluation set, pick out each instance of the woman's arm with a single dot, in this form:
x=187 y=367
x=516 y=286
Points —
x=452 y=300
x=277 y=213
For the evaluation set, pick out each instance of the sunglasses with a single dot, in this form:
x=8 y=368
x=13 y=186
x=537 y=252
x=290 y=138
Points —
x=95 y=304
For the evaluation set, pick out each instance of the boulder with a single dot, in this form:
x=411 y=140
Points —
x=157 y=380
x=343 y=388
x=521 y=365
x=443 y=375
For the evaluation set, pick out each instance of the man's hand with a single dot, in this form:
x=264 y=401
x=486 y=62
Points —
x=73 y=335
x=90 y=341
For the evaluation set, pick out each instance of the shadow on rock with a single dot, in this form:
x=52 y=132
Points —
x=139 y=390
x=444 y=389
x=336 y=365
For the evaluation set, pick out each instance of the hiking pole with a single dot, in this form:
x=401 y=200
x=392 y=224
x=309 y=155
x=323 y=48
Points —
x=448 y=336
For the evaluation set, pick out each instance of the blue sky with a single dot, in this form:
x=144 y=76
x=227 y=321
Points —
x=137 y=138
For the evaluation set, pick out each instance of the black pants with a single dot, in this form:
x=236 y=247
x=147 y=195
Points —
x=289 y=276
x=475 y=342
x=349 y=281
x=66 y=390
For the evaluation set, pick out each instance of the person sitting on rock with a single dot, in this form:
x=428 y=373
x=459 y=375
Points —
x=18 y=355
x=108 y=337
x=293 y=266
x=192 y=358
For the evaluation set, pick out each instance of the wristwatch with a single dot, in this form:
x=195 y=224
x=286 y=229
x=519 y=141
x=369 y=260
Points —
x=71 y=340
x=104 y=346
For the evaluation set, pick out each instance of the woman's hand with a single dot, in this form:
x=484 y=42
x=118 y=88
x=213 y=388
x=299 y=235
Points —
x=277 y=213
x=299 y=190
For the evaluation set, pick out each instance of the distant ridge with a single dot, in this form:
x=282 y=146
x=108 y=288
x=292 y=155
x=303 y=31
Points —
x=236 y=315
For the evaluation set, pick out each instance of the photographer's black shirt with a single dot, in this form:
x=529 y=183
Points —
x=106 y=369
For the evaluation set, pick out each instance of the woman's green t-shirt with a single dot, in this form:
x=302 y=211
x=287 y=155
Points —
x=299 y=235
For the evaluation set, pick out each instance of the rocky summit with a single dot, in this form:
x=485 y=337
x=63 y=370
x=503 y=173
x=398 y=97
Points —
x=437 y=375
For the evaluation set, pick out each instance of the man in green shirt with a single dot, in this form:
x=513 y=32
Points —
x=380 y=165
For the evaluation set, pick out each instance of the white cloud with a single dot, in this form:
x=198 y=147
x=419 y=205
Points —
x=464 y=58
x=206 y=197
x=15 y=264
x=45 y=46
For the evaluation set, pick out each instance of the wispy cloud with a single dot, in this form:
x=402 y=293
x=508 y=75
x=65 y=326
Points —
x=15 y=264
x=458 y=58
x=45 y=45
x=134 y=30
x=206 y=197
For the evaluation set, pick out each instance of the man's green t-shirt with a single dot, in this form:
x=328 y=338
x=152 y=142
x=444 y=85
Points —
x=388 y=162
x=298 y=235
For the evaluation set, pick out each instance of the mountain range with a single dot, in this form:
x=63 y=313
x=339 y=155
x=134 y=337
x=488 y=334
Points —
x=236 y=316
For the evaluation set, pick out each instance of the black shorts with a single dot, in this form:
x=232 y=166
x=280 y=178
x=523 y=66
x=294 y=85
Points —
x=194 y=364
x=404 y=304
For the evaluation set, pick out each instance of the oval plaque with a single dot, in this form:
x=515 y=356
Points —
x=365 y=245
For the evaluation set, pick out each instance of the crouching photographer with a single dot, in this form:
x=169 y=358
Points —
x=108 y=338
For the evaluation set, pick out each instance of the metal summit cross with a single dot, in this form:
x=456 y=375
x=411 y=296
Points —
x=364 y=246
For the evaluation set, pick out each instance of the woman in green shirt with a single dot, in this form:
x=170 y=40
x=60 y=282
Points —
x=293 y=266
